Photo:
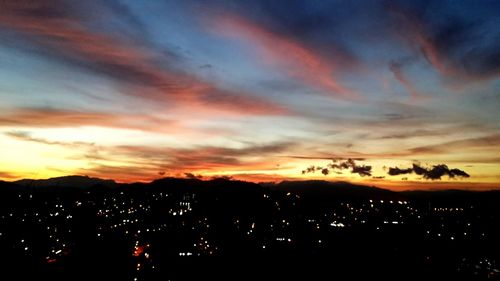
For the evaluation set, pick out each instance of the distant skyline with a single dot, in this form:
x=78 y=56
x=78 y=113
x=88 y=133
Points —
x=255 y=90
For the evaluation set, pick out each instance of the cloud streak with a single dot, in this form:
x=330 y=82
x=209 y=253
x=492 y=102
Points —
x=54 y=118
x=58 y=31
x=451 y=48
x=296 y=60
x=395 y=68
x=26 y=136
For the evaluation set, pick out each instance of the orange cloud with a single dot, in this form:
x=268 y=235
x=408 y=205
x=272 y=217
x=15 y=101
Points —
x=204 y=157
x=47 y=118
x=7 y=176
x=295 y=59
x=143 y=163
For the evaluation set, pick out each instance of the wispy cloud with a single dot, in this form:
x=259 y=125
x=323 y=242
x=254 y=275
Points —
x=53 y=118
x=26 y=136
x=486 y=142
x=395 y=68
x=289 y=56
x=451 y=47
x=57 y=30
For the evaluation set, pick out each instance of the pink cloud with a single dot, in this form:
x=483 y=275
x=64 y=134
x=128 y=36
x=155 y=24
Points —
x=295 y=59
x=133 y=65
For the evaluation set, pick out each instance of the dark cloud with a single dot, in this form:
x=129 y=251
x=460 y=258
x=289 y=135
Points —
x=438 y=171
x=397 y=171
x=435 y=172
x=458 y=173
x=362 y=170
x=310 y=169
x=193 y=176
x=419 y=170
x=339 y=164
x=227 y=178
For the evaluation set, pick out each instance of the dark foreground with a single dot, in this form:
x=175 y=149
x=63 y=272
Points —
x=78 y=228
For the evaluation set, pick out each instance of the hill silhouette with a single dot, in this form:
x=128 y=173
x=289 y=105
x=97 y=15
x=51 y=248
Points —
x=66 y=181
x=302 y=187
x=312 y=192
x=341 y=188
x=217 y=225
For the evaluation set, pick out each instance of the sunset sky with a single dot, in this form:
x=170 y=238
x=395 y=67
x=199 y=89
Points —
x=256 y=90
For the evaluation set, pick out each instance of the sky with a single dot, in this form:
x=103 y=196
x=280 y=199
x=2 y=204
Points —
x=396 y=94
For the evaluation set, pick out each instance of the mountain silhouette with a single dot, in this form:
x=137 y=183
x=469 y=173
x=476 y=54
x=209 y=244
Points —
x=314 y=189
x=327 y=188
x=67 y=181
